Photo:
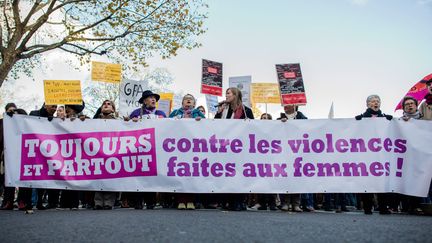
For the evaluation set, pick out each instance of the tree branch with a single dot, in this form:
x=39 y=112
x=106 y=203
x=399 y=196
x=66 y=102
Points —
x=67 y=3
x=39 y=22
x=46 y=48
x=15 y=10
x=97 y=22
x=8 y=28
x=124 y=34
x=86 y=50
x=148 y=15
x=32 y=11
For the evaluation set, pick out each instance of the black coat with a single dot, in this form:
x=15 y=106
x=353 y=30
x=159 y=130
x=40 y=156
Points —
x=299 y=115
x=248 y=111
x=42 y=112
x=371 y=113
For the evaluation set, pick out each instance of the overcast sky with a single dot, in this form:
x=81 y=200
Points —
x=348 y=49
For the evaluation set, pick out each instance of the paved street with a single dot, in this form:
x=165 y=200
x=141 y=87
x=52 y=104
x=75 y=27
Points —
x=128 y=225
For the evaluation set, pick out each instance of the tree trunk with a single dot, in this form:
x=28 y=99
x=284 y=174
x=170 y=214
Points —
x=6 y=66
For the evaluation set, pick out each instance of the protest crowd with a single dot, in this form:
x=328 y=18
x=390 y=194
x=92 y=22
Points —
x=232 y=108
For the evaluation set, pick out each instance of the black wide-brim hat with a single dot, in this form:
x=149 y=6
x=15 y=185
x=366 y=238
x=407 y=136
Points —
x=77 y=108
x=146 y=94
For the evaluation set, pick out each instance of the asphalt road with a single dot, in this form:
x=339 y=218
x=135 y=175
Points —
x=128 y=225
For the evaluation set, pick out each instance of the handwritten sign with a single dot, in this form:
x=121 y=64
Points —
x=265 y=93
x=165 y=102
x=67 y=92
x=106 y=72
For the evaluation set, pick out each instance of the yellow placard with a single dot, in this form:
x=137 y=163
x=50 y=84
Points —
x=166 y=96
x=67 y=92
x=106 y=72
x=265 y=93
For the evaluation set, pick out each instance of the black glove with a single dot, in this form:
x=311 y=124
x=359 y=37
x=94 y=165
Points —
x=388 y=117
x=50 y=118
x=10 y=113
x=359 y=117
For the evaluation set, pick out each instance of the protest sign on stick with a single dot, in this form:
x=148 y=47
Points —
x=106 y=72
x=130 y=92
x=291 y=84
x=211 y=82
x=66 y=92
x=243 y=83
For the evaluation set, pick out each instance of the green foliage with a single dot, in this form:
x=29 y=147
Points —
x=127 y=31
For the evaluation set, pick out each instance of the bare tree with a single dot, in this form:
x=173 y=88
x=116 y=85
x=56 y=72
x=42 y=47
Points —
x=124 y=30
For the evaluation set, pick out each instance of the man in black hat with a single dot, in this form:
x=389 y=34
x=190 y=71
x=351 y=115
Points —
x=148 y=109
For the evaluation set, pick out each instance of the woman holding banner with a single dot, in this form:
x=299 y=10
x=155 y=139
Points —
x=70 y=198
x=233 y=108
x=103 y=199
x=292 y=201
x=188 y=110
x=147 y=111
x=24 y=193
x=264 y=201
x=373 y=103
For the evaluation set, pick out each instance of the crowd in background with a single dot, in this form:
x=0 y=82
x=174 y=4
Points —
x=232 y=108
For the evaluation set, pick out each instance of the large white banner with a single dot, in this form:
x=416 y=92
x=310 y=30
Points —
x=130 y=92
x=220 y=156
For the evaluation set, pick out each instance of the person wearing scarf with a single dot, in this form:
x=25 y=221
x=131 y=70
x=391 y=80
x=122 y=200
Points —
x=410 y=110
x=410 y=204
x=147 y=111
x=233 y=108
x=426 y=107
x=105 y=199
x=188 y=109
x=373 y=103
x=186 y=200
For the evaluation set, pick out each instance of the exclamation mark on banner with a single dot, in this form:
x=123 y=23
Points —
x=399 y=167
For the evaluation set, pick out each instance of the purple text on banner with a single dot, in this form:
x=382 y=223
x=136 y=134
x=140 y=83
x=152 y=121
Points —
x=88 y=156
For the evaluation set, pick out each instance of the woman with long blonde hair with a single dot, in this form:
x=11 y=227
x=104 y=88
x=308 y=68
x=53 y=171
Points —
x=233 y=107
